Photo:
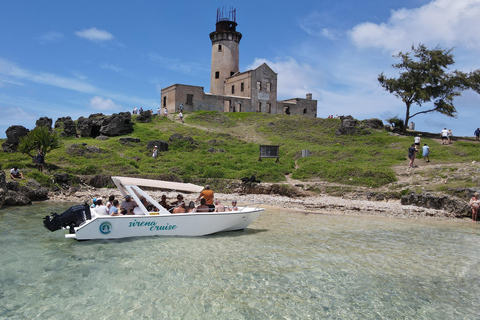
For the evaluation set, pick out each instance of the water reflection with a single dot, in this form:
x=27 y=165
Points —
x=288 y=265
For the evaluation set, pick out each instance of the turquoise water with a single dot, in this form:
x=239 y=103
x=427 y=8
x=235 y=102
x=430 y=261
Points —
x=287 y=265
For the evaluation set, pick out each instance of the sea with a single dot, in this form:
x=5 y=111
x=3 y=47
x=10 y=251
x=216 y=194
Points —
x=287 y=265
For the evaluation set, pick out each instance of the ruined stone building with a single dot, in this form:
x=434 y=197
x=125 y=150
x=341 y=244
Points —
x=231 y=90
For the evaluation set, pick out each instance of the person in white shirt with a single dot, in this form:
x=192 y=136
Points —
x=15 y=173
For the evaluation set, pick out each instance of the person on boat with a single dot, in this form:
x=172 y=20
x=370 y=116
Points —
x=178 y=201
x=164 y=203
x=203 y=207
x=110 y=201
x=138 y=211
x=94 y=204
x=219 y=207
x=128 y=204
x=180 y=208
x=208 y=195
x=191 y=207
x=474 y=203
x=234 y=206
x=114 y=209
x=100 y=208
x=15 y=173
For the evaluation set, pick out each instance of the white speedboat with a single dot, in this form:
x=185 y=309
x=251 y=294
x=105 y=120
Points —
x=84 y=225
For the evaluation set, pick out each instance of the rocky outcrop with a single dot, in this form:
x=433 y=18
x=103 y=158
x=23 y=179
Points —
x=429 y=200
x=348 y=126
x=23 y=195
x=82 y=150
x=145 y=117
x=3 y=187
x=117 y=125
x=44 y=122
x=373 y=123
x=14 y=133
x=68 y=126
x=100 y=181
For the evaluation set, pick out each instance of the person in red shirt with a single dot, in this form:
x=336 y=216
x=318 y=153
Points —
x=207 y=194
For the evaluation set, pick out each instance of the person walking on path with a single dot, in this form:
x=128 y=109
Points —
x=444 y=136
x=165 y=112
x=417 y=142
x=155 y=152
x=449 y=136
x=411 y=154
x=426 y=153
x=181 y=116
x=477 y=134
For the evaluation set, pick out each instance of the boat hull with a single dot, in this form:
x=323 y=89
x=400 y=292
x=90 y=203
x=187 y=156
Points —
x=183 y=224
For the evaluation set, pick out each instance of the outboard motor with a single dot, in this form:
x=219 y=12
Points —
x=72 y=218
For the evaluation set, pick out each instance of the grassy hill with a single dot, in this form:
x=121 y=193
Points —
x=226 y=146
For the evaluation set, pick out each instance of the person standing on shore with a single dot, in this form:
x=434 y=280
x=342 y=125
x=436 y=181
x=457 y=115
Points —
x=411 y=154
x=40 y=161
x=474 y=203
x=426 y=153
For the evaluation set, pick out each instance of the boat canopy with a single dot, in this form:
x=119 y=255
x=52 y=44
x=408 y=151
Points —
x=178 y=186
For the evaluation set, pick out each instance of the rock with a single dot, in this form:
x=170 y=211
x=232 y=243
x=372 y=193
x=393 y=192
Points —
x=128 y=140
x=14 y=133
x=100 y=181
x=117 y=125
x=13 y=185
x=44 y=122
x=347 y=127
x=81 y=150
x=373 y=123
x=3 y=187
x=428 y=200
x=161 y=145
x=145 y=117
x=175 y=137
x=215 y=142
x=34 y=194
x=61 y=178
x=102 y=137
x=68 y=126
x=16 y=198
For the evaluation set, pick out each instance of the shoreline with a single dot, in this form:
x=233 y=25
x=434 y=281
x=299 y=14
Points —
x=309 y=204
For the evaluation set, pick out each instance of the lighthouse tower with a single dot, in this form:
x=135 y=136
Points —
x=225 y=53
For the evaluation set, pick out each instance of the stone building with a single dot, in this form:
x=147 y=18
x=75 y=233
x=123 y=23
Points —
x=231 y=90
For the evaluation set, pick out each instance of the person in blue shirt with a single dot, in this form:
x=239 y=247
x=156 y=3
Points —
x=426 y=153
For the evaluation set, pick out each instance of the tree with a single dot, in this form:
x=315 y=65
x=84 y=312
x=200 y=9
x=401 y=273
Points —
x=39 y=138
x=425 y=78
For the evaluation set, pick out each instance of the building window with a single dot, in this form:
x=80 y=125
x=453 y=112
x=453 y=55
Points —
x=286 y=109
x=269 y=107
x=219 y=47
x=242 y=87
x=233 y=89
x=217 y=74
x=232 y=73
x=189 y=99
x=268 y=86
x=239 y=107
x=164 y=101
x=259 y=86
x=259 y=107
x=304 y=111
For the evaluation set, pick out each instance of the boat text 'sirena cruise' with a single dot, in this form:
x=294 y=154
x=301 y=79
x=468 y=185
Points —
x=85 y=225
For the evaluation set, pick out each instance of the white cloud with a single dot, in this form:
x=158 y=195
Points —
x=52 y=36
x=315 y=24
x=444 y=22
x=99 y=103
x=111 y=67
x=94 y=34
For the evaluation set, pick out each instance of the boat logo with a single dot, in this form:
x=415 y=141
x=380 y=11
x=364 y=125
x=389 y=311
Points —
x=105 y=227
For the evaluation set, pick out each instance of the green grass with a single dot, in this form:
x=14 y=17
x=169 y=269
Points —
x=357 y=160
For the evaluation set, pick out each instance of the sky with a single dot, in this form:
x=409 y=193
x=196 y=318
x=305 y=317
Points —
x=75 y=58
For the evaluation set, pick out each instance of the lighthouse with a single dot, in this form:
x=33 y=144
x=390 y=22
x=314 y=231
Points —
x=225 y=50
